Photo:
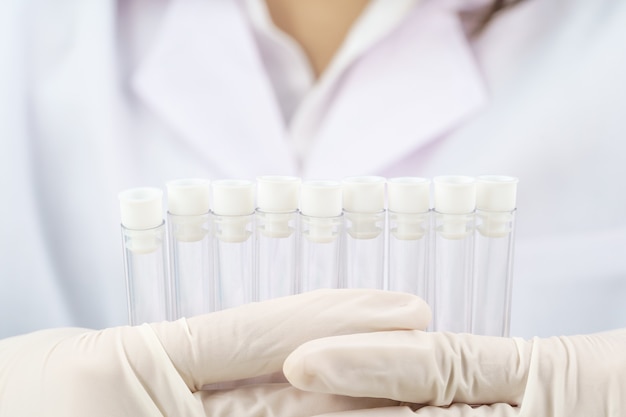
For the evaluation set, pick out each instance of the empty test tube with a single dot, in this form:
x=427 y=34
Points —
x=408 y=205
x=145 y=255
x=276 y=237
x=453 y=252
x=321 y=226
x=189 y=242
x=233 y=243
x=495 y=221
x=364 y=211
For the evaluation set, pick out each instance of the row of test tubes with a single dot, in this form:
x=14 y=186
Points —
x=225 y=243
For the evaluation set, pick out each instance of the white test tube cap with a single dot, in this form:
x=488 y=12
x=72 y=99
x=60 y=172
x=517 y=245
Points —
x=234 y=200
x=278 y=193
x=496 y=193
x=455 y=194
x=320 y=198
x=141 y=208
x=408 y=195
x=320 y=201
x=188 y=202
x=233 y=197
x=188 y=197
x=363 y=194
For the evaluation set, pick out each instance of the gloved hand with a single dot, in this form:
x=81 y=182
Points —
x=579 y=376
x=158 y=369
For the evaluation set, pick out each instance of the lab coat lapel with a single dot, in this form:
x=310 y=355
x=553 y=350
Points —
x=416 y=85
x=205 y=78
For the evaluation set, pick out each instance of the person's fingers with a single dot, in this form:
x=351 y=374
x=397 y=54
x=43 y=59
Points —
x=279 y=400
x=413 y=366
x=455 y=410
x=255 y=339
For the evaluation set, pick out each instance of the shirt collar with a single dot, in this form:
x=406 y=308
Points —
x=292 y=76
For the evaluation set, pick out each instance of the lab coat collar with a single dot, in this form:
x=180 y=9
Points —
x=416 y=85
x=205 y=78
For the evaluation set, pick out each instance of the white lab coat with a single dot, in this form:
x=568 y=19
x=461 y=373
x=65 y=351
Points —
x=100 y=96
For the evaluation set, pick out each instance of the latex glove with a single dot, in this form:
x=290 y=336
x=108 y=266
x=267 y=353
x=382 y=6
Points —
x=158 y=369
x=578 y=376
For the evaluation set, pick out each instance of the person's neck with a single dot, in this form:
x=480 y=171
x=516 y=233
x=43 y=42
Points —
x=319 y=26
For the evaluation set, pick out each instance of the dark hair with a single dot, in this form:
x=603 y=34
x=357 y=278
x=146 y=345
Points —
x=492 y=11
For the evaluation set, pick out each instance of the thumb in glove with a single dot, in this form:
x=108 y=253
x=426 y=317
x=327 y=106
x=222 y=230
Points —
x=561 y=376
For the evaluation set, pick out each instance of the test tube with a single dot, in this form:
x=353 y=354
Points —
x=277 y=237
x=145 y=255
x=495 y=226
x=321 y=224
x=455 y=203
x=364 y=211
x=189 y=242
x=408 y=201
x=233 y=243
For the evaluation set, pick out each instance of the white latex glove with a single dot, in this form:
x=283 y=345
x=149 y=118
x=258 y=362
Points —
x=158 y=369
x=578 y=376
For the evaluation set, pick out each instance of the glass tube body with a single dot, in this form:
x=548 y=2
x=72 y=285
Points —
x=320 y=252
x=276 y=261
x=147 y=285
x=189 y=243
x=364 y=256
x=493 y=268
x=453 y=255
x=408 y=246
x=233 y=261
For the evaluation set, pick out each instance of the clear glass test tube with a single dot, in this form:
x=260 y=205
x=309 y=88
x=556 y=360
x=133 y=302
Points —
x=453 y=252
x=321 y=228
x=233 y=243
x=364 y=213
x=276 y=236
x=189 y=243
x=145 y=255
x=495 y=226
x=408 y=200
